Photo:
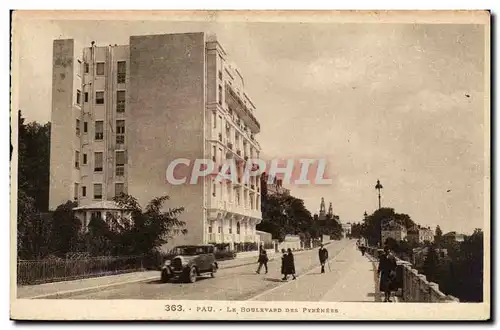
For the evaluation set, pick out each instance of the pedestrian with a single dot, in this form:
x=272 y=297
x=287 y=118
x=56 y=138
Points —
x=387 y=270
x=363 y=249
x=289 y=265
x=323 y=257
x=263 y=259
x=283 y=257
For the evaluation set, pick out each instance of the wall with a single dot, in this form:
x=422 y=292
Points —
x=63 y=173
x=414 y=287
x=166 y=107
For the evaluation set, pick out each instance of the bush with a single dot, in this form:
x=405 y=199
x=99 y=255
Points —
x=225 y=255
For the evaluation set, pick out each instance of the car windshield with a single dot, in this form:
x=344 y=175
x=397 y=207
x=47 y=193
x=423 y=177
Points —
x=189 y=250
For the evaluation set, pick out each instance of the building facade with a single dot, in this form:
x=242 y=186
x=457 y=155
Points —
x=420 y=235
x=122 y=114
x=394 y=230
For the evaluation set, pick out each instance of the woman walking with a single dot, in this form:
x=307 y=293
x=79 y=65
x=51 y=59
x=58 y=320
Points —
x=263 y=259
x=283 y=256
x=387 y=270
x=289 y=265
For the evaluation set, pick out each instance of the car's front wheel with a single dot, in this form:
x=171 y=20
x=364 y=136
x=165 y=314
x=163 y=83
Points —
x=192 y=275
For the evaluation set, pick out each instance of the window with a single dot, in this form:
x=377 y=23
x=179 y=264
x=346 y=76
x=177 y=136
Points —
x=215 y=120
x=79 y=68
x=77 y=127
x=214 y=187
x=120 y=163
x=77 y=159
x=86 y=96
x=238 y=228
x=120 y=101
x=78 y=97
x=99 y=97
x=122 y=70
x=99 y=130
x=96 y=215
x=98 y=191
x=84 y=191
x=98 y=161
x=84 y=159
x=120 y=127
x=85 y=127
x=99 y=70
x=119 y=189
x=120 y=131
x=86 y=67
x=75 y=191
x=220 y=74
x=220 y=94
x=214 y=155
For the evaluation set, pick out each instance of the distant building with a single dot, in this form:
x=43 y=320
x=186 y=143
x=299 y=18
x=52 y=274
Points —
x=347 y=227
x=393 y=229
x=453 y=237
x=276 y=188
x=420 y=254
x=322 y=210
x=420 y=234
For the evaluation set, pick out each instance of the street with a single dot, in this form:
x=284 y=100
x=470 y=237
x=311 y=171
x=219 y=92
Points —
x=242 y=283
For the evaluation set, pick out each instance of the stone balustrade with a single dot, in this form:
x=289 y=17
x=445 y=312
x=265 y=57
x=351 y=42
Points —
x=414 y=287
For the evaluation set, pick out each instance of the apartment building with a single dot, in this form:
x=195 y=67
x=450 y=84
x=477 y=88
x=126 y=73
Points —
x=121 y=114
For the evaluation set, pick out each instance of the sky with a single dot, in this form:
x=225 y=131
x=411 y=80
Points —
x=403 y=103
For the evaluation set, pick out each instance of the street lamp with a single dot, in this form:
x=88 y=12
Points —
x=378 y=187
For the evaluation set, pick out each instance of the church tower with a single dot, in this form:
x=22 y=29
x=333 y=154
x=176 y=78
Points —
x=322 y=210
x=330 y=211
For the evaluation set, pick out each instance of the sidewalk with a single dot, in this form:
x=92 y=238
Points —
x=349 y=277
x=96 y=283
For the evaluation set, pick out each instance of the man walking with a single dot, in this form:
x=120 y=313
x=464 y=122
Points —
x=323 y=257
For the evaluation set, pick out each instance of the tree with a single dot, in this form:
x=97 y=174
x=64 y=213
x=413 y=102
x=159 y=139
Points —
x=438 y=236
x=65 y=229
x=34 y=161
x=373 y=223
x=33 y=229
x=431 y=264
x=139 y=231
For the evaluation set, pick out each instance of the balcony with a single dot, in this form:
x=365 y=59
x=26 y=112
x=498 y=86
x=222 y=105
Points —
x=234 y=101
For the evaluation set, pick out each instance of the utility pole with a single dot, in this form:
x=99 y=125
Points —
x=378 y=187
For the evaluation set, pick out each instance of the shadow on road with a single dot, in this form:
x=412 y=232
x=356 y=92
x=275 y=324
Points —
x=177 y=281
x=269 y=279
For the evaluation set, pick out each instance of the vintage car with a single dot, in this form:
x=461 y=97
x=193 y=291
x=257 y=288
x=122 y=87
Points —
x=187 y=262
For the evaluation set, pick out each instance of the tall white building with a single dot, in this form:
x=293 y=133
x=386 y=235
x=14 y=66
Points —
x=121 y=114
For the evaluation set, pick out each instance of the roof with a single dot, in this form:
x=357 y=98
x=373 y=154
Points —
x=101 y=205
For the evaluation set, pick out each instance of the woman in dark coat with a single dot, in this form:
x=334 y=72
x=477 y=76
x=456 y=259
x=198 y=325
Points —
x=289 y=265
x=387 y=270
x=283 y=256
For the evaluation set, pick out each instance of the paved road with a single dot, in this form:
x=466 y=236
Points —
x=241 y=283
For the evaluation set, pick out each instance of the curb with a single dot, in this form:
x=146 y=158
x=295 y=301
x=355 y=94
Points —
x=61 y=294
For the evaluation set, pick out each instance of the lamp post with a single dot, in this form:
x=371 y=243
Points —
x=378 y=187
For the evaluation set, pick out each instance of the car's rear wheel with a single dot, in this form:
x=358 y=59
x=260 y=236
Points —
x=213 y=270
x=192 y=275
x=165 y=277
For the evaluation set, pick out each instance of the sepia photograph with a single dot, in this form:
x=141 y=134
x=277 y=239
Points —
x=250 y=165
